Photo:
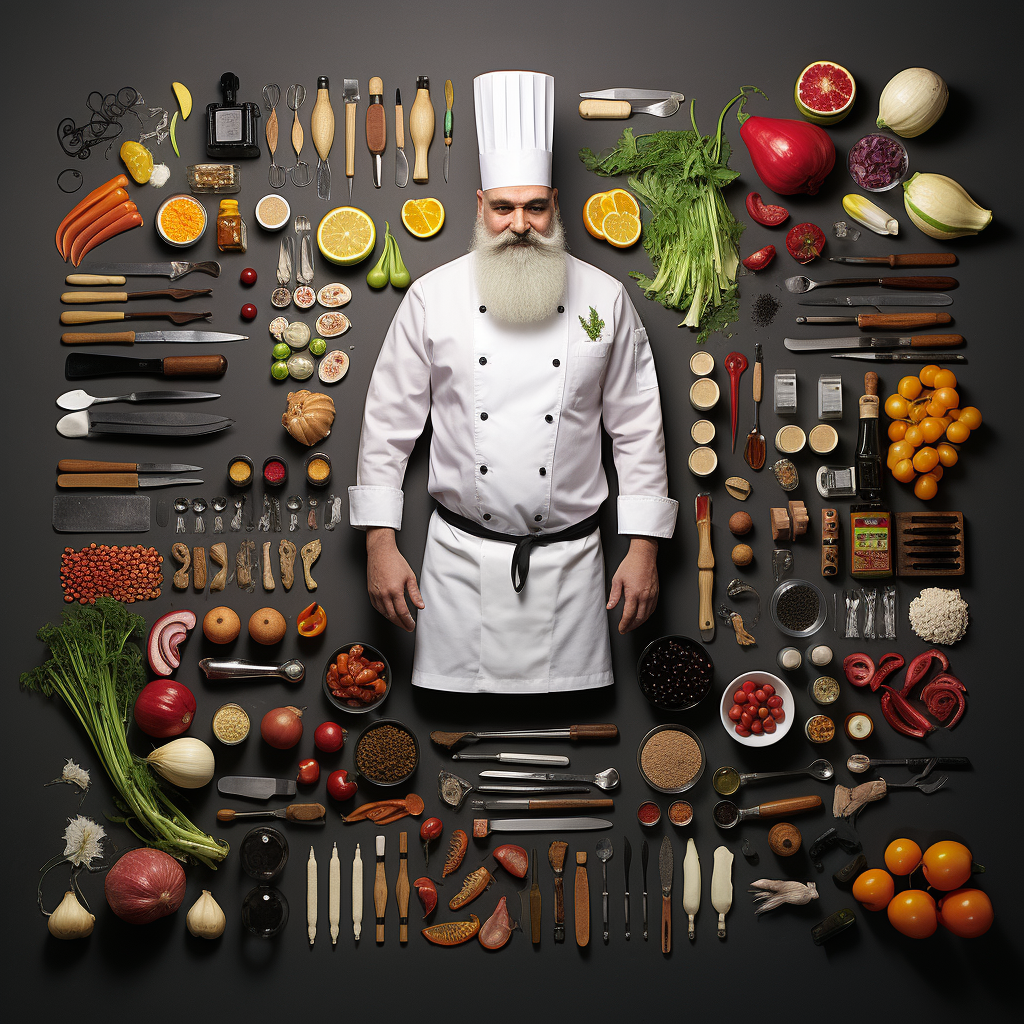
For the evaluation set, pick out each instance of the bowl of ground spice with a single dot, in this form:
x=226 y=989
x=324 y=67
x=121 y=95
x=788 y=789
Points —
x=180 y=220
x=272 y=212
x=674 y=673
x=387 y=753
x=671 y=758
x=230 y=724
x=798 y=608
x=783 y=722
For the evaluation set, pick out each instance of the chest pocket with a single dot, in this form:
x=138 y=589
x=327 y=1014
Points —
x=590 y=358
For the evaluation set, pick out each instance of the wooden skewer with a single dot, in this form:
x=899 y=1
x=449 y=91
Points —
x=402 y=887
x=380 y=890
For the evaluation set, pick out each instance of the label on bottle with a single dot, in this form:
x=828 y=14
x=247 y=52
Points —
x=228 y=125
x=870 y=544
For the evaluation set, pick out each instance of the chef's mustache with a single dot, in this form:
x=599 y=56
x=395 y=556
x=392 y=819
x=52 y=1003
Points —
x=509 y=239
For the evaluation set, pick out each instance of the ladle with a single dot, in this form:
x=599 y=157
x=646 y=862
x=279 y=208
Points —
x=448 y=782
x=608 y=779
x=735 y=364
x=238 y=668
x=728 y=815
x=728 y=780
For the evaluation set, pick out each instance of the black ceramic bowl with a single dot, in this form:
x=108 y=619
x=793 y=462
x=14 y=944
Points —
x=377 y=725
x=675 y=673
x=372 y=654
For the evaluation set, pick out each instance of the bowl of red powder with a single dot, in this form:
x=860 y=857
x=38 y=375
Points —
x=275 y=471
x=648 y=814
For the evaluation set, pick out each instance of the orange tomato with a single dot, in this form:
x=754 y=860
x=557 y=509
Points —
x=958 y=431
x=936 y=472
x=896 y=407
x=897 y=430
x=909 y=388
x=913 y=914
x=970 y=417
x=944 y=379
x=926 y=459
x=873 y=889
x=947 y=864
x=947 y=397
x=952 y=414
x=914 y=435
x=902 y=856
x=926 y=487
x=931 y=428
x=948 y=455
x=967 y=913
x=928 y=374
x=901 y=450
x=935 y=409
x=903 y=471
x=918 y=411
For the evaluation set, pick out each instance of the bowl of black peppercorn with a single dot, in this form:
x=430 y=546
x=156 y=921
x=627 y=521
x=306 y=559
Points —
x=798 y=608
x=675 y=673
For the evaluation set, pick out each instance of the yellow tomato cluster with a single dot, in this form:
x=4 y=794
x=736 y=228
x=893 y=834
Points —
x=928 y=424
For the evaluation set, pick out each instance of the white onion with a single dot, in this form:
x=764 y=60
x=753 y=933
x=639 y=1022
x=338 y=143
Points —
x=912 y=102
x=186 y=762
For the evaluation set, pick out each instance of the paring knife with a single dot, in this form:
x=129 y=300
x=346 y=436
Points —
x=376 y=128
x=91 y=466
x=633 y=94
x=173 y=270
x=907 y=259
x=895 y=320
x=913 y=341
x=904 y=299
x=449 y=99
x=114 y=421
x=254 y=787
x=666 y=865
x=129 y=481
x=901 y=357
x=627 y=855
x=80 y=364
x=149 y=337
x=163 y=293
x=558 y=760
x=351 y=96
x=401 y=160
x=705 y=566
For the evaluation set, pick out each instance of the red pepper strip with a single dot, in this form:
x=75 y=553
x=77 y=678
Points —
x=890 y=663
x=859 y=669
x=920 y=667
x=906 y=710
x=896 y=722
x=941 y=695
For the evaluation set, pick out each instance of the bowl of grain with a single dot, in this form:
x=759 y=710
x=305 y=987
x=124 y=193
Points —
x=671 y=758
x=387 y=753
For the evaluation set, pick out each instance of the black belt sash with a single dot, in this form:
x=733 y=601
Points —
x=521 y=554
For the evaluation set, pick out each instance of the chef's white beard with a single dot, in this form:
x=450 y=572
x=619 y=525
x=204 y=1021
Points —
x=520 y=279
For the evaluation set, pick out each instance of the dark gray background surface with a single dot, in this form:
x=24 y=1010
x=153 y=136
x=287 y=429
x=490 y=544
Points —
x=707 y=52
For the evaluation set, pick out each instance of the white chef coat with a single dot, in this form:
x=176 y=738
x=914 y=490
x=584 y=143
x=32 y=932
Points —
x=516 y=412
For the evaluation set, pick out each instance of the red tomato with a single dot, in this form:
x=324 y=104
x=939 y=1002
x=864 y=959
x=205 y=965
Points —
x=761 y=696
x=339 y=787
x=760 y=259
x=873 y=889
x=967 y=913
x=749 y=686
x=768 y=689
x=757 y=727
x=329 y=737
x=913 y=914
x=764 y=213
x=742 y=730
x=309 y=772
x=947 y=865
x=740 y=697
x=769 y=725
x=805 y=242
x=735 y=712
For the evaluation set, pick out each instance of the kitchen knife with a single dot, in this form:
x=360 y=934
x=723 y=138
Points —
x=570 y=804
x=800 y=284
x=557 y=760
x=907 y=259
x=895 y=320
x=91 y=466
x=101 y=316
x=617 y=110
x=904 y=299
x=173 y=270
x=401 y=160
x=376 y=128
x=633 y=94
x=351 y=97
x=254 y=787
x=666 y=865
x=163 y=293
x=113 y=421
x=540 y=825
x=81 y=364
x=901 y=357
x=148 y=337
x=131 y=481
x=914 y=341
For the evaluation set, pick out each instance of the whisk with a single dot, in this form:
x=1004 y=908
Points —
x=300 y=173
x=278 y=174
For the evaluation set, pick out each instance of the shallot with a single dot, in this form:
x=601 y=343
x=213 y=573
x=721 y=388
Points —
x=497 y=929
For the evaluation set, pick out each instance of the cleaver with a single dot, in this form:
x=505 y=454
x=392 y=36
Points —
x=255 y=788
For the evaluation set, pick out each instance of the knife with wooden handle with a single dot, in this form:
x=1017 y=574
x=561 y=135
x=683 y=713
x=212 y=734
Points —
x=554 y=804
x=87 y=364
x=556 y=858
x=101 y=316
x=581 y=900
x=666 y=866
x=897 y=320
x=535 y=903
x=163 y=293
x=376 y=128
x=906 y=259
x=94 y=466
x=125 y=481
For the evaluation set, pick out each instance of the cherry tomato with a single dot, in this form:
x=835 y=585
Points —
x=931 y=428
x=970 y=417
x=329 y=737
x=742 y=730
x=902 y=856
x=948 y=455
x=873 y=889
x=779 y=714
x=768 y=689
x=947 y=397
x=898 y=430
x=735 y=712
x=760 y=259
x=901 y=450
x=896 y=407
x=756 y=727
x=805 y=242
x=909 y=388
x=309 y=772
x=749 y=686
x=958 y=431
x=774 y=701
x=912 y=913
x=926 y=487
x=928 y=374
x=339 y=787
x=740 y=697
x=431 y=829
x=761 y=696
x=248 y=311
x=914 y=435
x=926 y=459
x=935 y=409
x=747 y=719
x=904 y=471
x=944 y=379
x=769 y=725
x=247 y=277
x=947 y=865
x=967 y=913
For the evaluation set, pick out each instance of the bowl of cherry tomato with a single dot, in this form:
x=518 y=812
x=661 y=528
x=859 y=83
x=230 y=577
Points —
x=757 y=709
x=357 y=678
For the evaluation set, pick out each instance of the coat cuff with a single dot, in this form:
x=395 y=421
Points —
x=647 y=515
x=375 y=506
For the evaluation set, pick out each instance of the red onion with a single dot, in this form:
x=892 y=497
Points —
x=282 y=727
x=145 y=885
x=164 y=708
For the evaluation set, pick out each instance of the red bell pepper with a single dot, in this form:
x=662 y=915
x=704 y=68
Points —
x=889 y=663
x=859 y=669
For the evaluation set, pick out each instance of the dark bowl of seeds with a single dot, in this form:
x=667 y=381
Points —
x=675 y=673
x=798 y=608
x=387 y=753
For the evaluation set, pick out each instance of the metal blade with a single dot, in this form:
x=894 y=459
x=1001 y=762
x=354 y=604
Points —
x=859 y=259
x=351 y=92
x=901 y=357
x=547 y=790
x=173 y=270
x=549 y=825
x=891 y=299
x=170 y=467
x=447 y=154
x=819 y=344
x=167 y=480
x=401 y=168
x=171 y=422
x=633 y=94
x=255 y=788
x=659 y=108
x=666 y=865
x=185 y=337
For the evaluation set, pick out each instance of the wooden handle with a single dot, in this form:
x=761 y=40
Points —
x=421 y=131
x=605 y=110
x=705 y=556
x=226 y=814
x=923 y=259
x=402 y=887
x=902 y=319
x=271 y=130
x=936 y=284
x=98 y=338
x=129 y=480
x=380 y=898
x=92 y=466
x=581 y=901
x=705 y=583
x=87 y=279
x=666 y=924
x=757 y=380
x=321 y=123
x=576 y=803
x=94 y=297
x=297 y=139
x=89 y=316
x=936 y=340
x=376 y=128
x=399 y=126
x=194 y=366
x=776 y=808
x=350 y=140
x=593 y=732
x=535 y=912
x=559 y=906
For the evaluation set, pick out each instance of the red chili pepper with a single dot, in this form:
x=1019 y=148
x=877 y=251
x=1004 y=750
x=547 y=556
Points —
x=907 y=711
x=859 y=669
x=920 y=667
x=889 y=663
x=760 y=259
x=896 y=722
x=764 y=213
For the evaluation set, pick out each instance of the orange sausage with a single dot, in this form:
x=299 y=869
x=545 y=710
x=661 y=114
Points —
x=119 y=211
x=119 y=181
x=130 y=220
x=90 y=216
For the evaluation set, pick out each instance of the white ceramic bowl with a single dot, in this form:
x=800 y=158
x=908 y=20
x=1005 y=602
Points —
x=788 y=705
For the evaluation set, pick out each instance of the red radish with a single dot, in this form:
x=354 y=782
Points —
x=282 y=727
x=164 y=708
x=167 y=633
x=514 y=859
x=145 y=885
x=497 y=929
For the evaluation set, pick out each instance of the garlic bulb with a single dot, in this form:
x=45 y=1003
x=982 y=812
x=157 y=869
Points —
x=941 y=208
x=912 y=102
x=874 y=218
x=206 y=920
x=185 y=762
x=70 y=920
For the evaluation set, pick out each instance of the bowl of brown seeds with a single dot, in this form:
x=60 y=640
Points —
x=671 y=758
x=387 y=753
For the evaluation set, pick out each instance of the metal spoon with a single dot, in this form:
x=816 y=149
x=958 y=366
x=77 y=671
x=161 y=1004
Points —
x=858 y=763
x=723 y=779
x=448 y=781
x=239 y=668
x=754 y=450
x=604 y=854
x=800 y=284
x=772 y=809
x=608 y=779
x=77 y=400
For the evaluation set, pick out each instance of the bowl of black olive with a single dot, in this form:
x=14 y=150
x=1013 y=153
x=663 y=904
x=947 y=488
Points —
x=675 y=673
x=798 y=608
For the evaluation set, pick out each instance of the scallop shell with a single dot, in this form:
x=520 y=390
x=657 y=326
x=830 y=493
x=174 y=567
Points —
x=334 y=295
x=330 y=325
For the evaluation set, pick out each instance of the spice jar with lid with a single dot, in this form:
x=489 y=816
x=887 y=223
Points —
x=318 y=470
x=825 y=690
x=240 y=471
x=789 y=659
x=704 y=394
x=231 y=232
x=819 y=729
x=648 y=814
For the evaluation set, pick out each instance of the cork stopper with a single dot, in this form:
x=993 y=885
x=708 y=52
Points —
x=871 y=383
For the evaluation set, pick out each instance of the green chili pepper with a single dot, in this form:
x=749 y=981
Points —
x=378 y=276
x=400 y=276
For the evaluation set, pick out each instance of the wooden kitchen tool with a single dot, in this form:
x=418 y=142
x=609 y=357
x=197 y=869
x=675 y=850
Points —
x=321 y=130
x=556 y=858
x=351 y=97
x=402 y=887
x=581 y=900
x=421 y=127
x=754 y=450
x=798 y=518
x=705 y=567
x=161 y=293
x=930 y=544
x=380 y=890
x=97 y=316
x=376 y=127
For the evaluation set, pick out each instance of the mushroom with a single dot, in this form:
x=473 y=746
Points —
x=286 y=553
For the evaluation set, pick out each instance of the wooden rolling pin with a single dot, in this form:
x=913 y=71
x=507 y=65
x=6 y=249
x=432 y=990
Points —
x=421 y=127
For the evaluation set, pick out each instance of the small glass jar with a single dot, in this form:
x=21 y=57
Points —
x=263 y=853
x=648 y=814
x=318 y=469
x=789 y=659
x=265 y=911
x=231 y=233
x=680 y=813
x=819 y=729
x=819 y=655
x=825 y=690
x=858 y=726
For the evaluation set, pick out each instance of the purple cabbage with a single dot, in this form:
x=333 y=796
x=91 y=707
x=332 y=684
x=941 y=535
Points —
x=877 y=162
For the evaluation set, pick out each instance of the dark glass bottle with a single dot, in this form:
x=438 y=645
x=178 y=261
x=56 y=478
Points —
x=231 y=129
x=869 y=451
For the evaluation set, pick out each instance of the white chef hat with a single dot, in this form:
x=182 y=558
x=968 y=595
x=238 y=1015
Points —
x=515 y=116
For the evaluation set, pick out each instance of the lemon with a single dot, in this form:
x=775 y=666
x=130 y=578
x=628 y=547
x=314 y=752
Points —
x=346 y=236
x=138 y=160
x=184 y=98
x=423 y=217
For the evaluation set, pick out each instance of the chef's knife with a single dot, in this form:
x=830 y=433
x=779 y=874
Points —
x=129 y=481
x=906 y=259
x=163 y=293
x=173 y=270
x=148 y=337
x=913 y=341
x=113 y=421
x=901 y=357
x=633 y=94
x=895 y=320
x=903 y=299
x=83 y=364
x=666 y=864
x=92 y=466
x=254 y=787
x=100 y=316
x=541 y=825
x=401 y=160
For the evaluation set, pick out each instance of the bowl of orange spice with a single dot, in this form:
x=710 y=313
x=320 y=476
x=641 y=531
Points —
x=180 y=220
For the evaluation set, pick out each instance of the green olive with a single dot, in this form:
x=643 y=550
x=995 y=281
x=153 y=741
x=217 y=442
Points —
x=281 y=350
x=279 y=371
x=318 y=346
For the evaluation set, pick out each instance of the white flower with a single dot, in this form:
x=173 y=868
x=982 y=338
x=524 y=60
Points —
x=83 y=841
x=76 y=775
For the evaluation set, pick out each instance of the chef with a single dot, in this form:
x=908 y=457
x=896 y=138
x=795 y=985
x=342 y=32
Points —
x=517 y=352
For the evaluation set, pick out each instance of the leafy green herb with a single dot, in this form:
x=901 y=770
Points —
x=593 y=325
x=96 y=668
x=691 y=237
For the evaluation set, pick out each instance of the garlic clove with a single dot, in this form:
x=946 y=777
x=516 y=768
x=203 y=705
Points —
x=70 y=920
x=206 y=920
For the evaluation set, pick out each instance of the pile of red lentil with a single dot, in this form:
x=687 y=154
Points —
x=127 y=574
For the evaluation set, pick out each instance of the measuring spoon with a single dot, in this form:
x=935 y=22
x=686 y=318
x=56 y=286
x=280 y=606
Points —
x=735 y=364
x=728 y=780
x=78 y=399
x=608 y=779
x=728 y=815
x=754 y=450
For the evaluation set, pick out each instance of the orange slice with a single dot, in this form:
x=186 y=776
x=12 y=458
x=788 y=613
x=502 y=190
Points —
x=621 y=229
x=423 y=217
x=621 y=202
x=594 y=214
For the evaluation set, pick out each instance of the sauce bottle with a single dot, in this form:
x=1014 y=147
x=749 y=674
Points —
x=231 y=233
x=869 y=452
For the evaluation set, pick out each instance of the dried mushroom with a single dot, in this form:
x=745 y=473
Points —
x=268 y=568
x=308 y=416
x=199 y=569
x=243 y=564
x=181 y=554
x=219 y=556
x=286 y=553
x=310 y=553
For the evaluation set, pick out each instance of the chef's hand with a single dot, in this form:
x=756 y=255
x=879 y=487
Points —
x=636 y=580
x=388 y=577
